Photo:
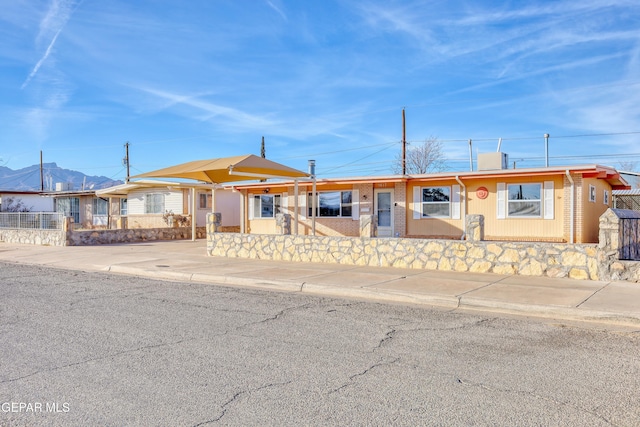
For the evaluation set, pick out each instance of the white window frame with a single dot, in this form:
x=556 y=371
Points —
x=256 y=207
x=206 y=198
x=520 y=201
x=424 y=203
x=353 y=205
x=98 y=203
x=592 y=193
x=124 y=206
x=547 y=204
x=605 y=198
x=152 y=205
x=69 y=206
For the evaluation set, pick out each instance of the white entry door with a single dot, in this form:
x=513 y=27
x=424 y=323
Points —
x=383 y=207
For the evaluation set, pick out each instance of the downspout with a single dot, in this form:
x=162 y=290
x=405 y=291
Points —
x=571 y=207
x=464 y=208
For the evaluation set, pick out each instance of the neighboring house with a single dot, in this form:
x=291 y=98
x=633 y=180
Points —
x=144 y=204
x=551 y=204
x=87 y=210
x=32 y=201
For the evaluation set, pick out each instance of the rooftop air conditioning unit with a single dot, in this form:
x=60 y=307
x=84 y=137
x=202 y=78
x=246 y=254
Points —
x=64 y=186
x=492 y=161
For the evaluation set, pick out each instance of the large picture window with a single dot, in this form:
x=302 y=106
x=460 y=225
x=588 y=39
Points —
x=436 y=202
x=266 y=205
x=524 y=200
x=154 y=203
x=336 y=204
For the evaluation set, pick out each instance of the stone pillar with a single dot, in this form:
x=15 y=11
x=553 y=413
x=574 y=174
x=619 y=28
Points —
x=283 y=223
x=368 y=226
x=609 y=234
x=475 y=227
x=611 y=247
x=214 y=222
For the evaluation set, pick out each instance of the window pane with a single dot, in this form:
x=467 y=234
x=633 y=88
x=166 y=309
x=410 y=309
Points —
x=524 y=208
x=266 y=209
x=436 y=194
x=329 y=204
x=346 y=203
x=123 y=206
x=525 y=192
x=154 y=203
x=435 y=209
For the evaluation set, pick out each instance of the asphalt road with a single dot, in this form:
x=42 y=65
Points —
x=95 y=349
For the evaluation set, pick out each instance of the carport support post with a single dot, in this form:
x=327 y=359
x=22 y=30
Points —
x=295 y=207
x=193 y=214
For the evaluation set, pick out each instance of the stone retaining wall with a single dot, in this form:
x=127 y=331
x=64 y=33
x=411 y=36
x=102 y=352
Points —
x=534 y=259
x=96 y=237
x=136 y=235
x=33 y=237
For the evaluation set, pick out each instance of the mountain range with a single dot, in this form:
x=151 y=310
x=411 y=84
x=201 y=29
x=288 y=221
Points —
x=28 y=178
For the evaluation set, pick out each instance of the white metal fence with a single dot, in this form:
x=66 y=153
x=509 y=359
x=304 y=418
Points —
x=32 y=220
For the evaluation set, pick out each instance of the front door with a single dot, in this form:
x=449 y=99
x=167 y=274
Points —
x=384 y=210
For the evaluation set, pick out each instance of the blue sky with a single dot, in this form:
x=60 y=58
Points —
x=324 y=80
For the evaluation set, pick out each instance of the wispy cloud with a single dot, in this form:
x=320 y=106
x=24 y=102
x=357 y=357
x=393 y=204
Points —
x=210 y=111
x=58 y=15
x=277 y=9
x=41 y=61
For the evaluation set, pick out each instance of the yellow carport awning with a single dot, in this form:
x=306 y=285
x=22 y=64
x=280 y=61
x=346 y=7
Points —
x=227 y=169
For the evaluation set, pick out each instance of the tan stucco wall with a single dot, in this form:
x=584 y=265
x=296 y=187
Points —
x=591 y=211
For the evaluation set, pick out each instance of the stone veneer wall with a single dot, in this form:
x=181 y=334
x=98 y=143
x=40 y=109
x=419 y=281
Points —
x=96 y=237
x=33 y=237
x=105 y=237
x=535 y=259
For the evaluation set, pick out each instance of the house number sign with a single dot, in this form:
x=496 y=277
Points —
x=482 y=193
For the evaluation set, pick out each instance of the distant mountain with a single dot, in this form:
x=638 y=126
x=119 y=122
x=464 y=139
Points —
x=29 y=178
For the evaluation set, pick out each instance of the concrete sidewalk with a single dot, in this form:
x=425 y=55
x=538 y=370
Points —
x=567 y=299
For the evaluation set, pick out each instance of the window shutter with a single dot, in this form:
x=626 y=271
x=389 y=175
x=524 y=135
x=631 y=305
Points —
x=455 y=202
x=303 y=195
x=417 y=203
x=548 y=200
x=251 y=202
x=502 y=201
x=355 y=204
x=284 y=203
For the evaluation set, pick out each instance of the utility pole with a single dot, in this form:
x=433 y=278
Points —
x=404 y=145
x=263 y=154
x=41 y=173
x=125 y=161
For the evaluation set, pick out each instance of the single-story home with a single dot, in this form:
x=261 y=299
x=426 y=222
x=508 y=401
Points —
x=148 y=203
x=31 y=201
x=87 y=210
x=548 y=204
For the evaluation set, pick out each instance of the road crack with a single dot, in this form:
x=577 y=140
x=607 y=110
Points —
x=534 y=395
x=237 y=396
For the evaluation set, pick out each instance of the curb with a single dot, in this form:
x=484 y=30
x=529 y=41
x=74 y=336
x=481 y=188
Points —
x=546 y=311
